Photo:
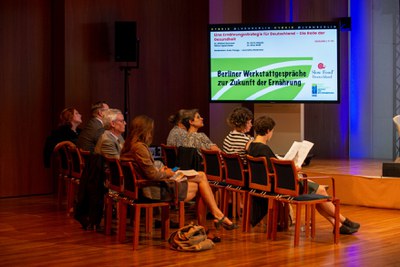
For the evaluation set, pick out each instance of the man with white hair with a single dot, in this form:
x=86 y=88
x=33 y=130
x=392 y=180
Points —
x=111 y=141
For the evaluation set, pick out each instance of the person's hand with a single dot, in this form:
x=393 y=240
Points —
x=169 y=172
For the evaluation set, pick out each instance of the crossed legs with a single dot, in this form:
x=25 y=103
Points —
x=199 y=184
x=327 y=209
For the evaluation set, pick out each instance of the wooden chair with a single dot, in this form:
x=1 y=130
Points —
x=115 y=184
x=131 y=197
x=287 y=183
x=236 y=180
x=214 y=170
x=169 y=155
x=260 y=186
x=85 y=154
x=89 y=208
x=189 y=158
x=62 y=164
x=77 y=165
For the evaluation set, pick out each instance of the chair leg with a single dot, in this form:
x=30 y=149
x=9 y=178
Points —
x=60 y=190
x=165 y=222
x=71 y=196
x=286 y=216
x=244 y=212
x=297 y=226
x=247 y=226
x=201 y=211
x=274 y=219
x=270 y=218
x=136 y=226
x=181 y=205
x=108 y=214
x=149 y=220
x=69 y=189
x=313 y=208
x=336 y=236
x=122 y=208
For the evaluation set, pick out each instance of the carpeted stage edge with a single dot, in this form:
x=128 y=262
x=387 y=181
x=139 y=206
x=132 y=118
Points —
x=358 y=182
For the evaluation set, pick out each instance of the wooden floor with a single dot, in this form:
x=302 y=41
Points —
x=34 y=232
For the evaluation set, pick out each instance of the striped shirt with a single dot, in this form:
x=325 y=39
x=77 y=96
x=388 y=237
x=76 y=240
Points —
x=235 y=142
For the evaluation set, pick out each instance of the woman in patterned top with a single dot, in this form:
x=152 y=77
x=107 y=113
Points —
x=193 y=122
x=179 y=131
x=237 y=140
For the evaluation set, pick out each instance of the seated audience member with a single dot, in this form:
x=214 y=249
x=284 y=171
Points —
x=67 y=130
x=179 y=131
x=264 y=128
x=111 y=141
x=94 y=128
x=193 y=122
x=237 y=140
x=136 y=148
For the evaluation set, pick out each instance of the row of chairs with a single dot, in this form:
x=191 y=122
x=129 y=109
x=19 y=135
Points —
x=225 y=172
x=123 y=190
x=124 y=185
x=228 y=175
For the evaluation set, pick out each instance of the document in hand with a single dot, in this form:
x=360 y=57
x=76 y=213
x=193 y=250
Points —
x=298 y=152
x=182 y=174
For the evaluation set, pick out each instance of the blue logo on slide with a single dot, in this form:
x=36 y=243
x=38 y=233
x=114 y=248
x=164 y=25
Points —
x=314 y=90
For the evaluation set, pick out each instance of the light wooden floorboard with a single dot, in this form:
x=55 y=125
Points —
x=33 y=232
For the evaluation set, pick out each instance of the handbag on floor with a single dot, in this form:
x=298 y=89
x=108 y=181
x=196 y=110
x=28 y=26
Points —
x=191 y=238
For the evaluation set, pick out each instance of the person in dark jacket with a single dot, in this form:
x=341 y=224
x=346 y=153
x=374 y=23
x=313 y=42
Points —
x=67 y=130
x=94 y=128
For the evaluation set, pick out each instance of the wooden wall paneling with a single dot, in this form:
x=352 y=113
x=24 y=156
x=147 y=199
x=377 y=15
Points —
x=260 y=11
x=173 y=62
x=91 y=73
x=327 y=125
x=25 y=94
x=172 y=41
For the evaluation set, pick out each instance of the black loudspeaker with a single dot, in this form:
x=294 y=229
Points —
x=391 y=169
x=125 y=41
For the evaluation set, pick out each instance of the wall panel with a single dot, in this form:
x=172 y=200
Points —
x=327 y=125
x=26 y=95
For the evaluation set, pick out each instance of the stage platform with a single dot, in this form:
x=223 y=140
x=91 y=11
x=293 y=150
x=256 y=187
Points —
x=359 y=182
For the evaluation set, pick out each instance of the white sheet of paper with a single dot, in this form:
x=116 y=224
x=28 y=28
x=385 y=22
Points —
x=298 y=152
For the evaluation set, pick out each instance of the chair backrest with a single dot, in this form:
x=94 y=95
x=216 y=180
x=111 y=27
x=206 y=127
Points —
x=189 y=158
x=286 y=177
x=114 y=175
x=85 y=154
x=131 y=189
x=235 y=173
x=63 y=158
x=259 y=176
x=169 y=155
x=77 y=162
x=212 y=161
